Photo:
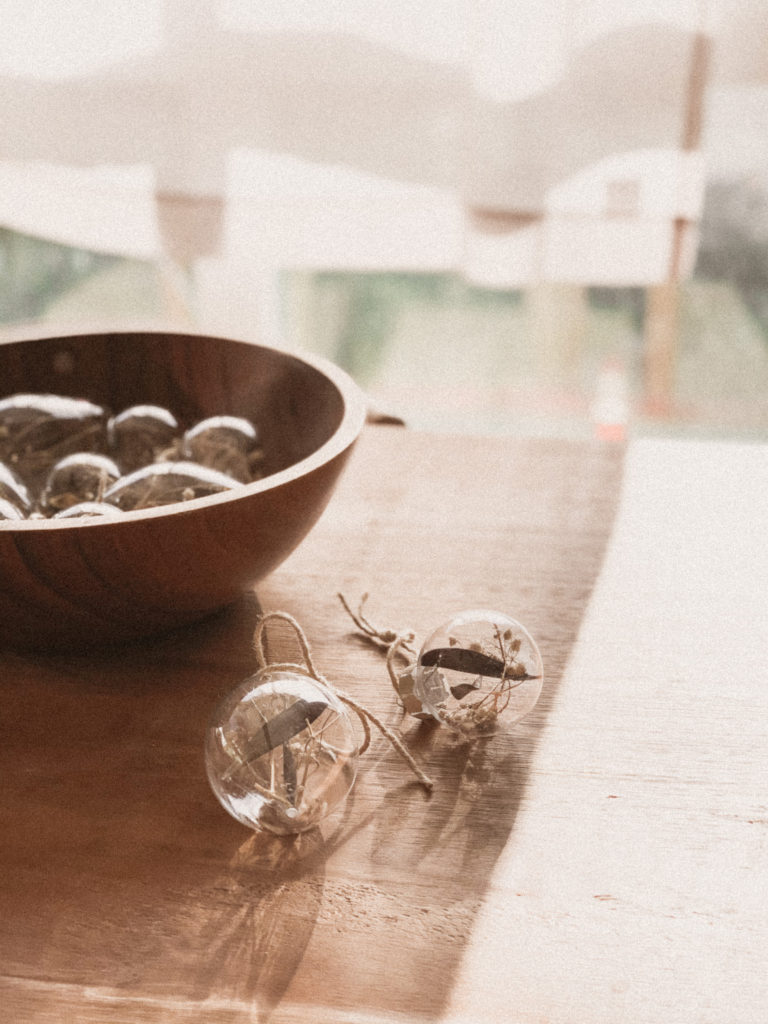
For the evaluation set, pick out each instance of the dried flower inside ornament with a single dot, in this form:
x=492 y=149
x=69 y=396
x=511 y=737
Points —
x=479 y=671
x=281 y=751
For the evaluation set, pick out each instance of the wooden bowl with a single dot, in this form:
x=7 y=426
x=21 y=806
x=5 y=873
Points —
x=84 y=582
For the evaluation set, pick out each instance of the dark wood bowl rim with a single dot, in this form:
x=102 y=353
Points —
x=352 y=422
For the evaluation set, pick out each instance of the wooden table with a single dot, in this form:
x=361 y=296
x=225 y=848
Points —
x=604 y=862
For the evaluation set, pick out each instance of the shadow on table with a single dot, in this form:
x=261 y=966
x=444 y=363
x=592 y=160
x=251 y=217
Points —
x=125 y=881
x=422 y=868
x=119 y=879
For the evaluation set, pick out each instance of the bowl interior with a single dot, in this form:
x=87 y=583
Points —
x=296 y=407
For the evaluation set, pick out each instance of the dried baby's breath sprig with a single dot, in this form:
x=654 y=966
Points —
x=489 y=662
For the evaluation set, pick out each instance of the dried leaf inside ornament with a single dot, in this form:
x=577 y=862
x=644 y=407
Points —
x=281 y=752
x=479 y=670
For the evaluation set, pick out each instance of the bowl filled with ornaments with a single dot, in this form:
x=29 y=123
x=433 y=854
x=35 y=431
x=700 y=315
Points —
x=149 y=479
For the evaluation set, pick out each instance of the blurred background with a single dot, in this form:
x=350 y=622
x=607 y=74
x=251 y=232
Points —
x=526 y=218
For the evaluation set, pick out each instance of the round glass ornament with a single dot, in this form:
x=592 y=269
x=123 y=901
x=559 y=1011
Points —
x=281 y=751
x=164 y=483
x=83 y=476
x=226 y=443
x=140 y=434
x=479 y=671
x=38 y=430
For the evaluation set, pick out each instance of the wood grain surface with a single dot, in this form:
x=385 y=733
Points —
x=635 y=885
x=597 y=864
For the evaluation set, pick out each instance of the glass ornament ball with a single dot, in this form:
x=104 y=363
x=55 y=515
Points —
x=479 y=671
x=82 y=476
x=281 y=752
x=38 y=430
x=164 y=483
x=226 y=443
x=141 y=434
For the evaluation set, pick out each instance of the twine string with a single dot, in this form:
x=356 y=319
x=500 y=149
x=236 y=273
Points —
x=307 y=667
x=396 y=643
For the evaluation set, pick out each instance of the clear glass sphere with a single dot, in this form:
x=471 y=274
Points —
x=479 y=671
x=164 y=483
x=281 y=752
x=38 y=430
x=226 y=443
x=82 y=476
x=140 y=434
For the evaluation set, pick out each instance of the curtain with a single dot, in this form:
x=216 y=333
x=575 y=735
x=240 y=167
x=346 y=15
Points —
x=514 y=141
